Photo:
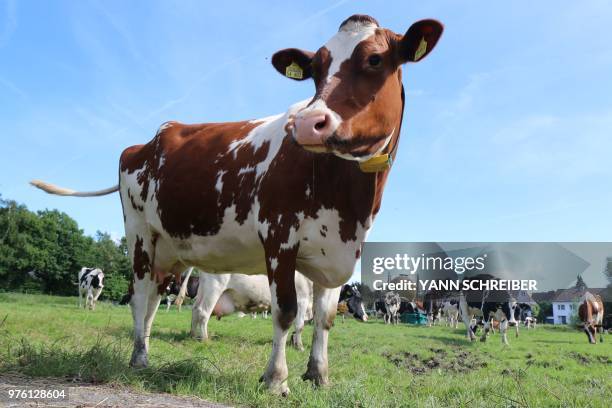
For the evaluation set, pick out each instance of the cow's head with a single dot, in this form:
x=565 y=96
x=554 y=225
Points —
x=351 y=295
x=358 y=101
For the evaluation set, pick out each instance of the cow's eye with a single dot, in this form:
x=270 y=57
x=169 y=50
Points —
x=375 y=60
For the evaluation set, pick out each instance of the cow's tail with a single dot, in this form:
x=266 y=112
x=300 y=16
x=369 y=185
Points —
x=182 y=293
x=53 y=189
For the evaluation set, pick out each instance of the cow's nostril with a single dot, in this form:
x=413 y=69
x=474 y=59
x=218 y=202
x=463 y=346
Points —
x=321 y=124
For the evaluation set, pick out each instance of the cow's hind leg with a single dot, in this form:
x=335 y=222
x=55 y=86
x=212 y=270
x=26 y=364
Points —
x=146 y=297
x=210 y=289
x=325 y=307
x=296 y=337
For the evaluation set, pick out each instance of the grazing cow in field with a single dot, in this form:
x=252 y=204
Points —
x=433 y=308
x=351 y=297
x=91 y=282
x=591 y=312
x=488 y=306
x=223 y=294
x=523 y=314
x=392 y=304
x=450 y=311
x=298 y=190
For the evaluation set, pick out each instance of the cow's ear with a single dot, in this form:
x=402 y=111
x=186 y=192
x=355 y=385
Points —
x=293 y=63
x=419 y=40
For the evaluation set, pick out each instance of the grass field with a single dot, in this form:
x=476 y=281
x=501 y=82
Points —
x=370 y=364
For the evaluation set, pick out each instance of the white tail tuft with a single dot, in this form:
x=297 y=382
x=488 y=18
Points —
x=53 y=189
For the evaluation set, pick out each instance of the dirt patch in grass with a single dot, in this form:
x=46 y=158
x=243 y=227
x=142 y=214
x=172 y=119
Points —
x=584 y=359
x=89 y=395
x=452 y=360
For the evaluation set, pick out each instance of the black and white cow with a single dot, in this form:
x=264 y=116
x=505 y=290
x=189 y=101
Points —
x=433 y=308
x=391 y=304
x=351 y=296
x=450 y=311
x=487 y=305
x=90 y=286
x=524 y=314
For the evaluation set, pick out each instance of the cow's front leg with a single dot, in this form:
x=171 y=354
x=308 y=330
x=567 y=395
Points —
x=503 y=330
x=281 y=275
x=325 y=307
x=486 y=329
x=144 y=304
x=467 y=318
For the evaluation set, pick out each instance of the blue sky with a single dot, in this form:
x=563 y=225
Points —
x=507 y=131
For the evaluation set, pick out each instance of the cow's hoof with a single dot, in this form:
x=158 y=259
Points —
x=139 y=361
x=317 y=378
x=275 y=387
x=199 y=337
x=297 y=344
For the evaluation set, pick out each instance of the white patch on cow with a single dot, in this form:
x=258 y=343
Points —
x=308 y=191
x=270 y=129
x=164 y=126
x=348 y=156
x=219 y=183
x=342 y=45
x=245 y=170
x=273 y=264
x=336 y=266
x=300 y=216
x=291 y=239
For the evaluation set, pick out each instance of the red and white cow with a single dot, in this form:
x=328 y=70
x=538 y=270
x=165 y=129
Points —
x=297 y=190
x=591 y=313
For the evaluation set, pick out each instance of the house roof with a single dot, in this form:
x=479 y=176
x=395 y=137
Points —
x=544 y=296
x=573 y=294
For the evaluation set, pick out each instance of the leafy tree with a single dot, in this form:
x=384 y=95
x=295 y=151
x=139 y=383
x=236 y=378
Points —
x=43 y=251
x=580 y=283
x=545 y=310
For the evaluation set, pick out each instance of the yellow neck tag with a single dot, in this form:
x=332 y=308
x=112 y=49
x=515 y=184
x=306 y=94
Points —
x=377 y=163
x=294 y=71
x=421 y=50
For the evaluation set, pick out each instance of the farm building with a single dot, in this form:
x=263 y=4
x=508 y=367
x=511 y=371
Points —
x=565 y=303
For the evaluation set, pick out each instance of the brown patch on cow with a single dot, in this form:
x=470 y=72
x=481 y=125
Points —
x=284 y=278
x=357 y=253
x=322 y=252
x=194 y=156
x=142 y=262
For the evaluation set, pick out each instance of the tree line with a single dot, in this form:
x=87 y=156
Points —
x=42 y=252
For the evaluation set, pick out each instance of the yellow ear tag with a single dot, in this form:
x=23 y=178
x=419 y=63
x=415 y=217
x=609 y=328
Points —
x=377 y=163
x=294 y=71
x=421 y=50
